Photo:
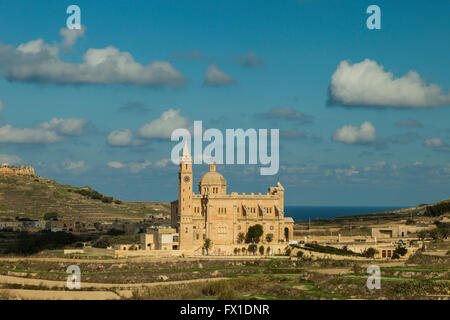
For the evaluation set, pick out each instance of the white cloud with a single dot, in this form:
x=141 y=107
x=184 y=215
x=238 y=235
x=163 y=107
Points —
x=75 y=167
x=137 y=167
x=47 y=132
x=346 y=172
x=250 y=59
x=11 y=159
x=67 y=127
x=120 y=138
x=163 y=163
x=408 y=123
x=116 y=164
x=9 y=134
x=70 y=36
x=216 y=77
x=364 y=134
x=367 y=84
x=36 y=61
x=163 y=127
x=437 y=144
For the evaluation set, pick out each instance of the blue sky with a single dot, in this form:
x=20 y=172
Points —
x=384 y=139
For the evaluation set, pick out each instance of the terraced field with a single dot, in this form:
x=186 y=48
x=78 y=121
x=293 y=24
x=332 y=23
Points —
x=32 y=197
x=210 y=278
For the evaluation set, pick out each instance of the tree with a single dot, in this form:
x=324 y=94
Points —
x=50 y=215
x=241 y=237
x=252 y=248
x=299 y=254
x=207 y=245
x=269 y=237
x=435 y=234
x=254 y=233
x=115 y=232
x=370 y=252
x=422 y=235
x=288 y=251
x=261 y=250
x=103 y=242
x=107 y=199
x=401 y=251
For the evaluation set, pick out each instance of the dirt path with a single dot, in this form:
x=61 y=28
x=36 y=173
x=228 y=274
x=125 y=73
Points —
x=87 y=285
x=58 y=295
x=332 y=271
x=321 y=255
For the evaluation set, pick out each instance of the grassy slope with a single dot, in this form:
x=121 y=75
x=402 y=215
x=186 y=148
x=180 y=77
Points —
x=32 y=197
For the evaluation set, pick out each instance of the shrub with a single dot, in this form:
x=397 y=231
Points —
x=241 y=237
x=103 y=242
x=261 y=250
x=438 y=209
x=252 y=248
x=299 y=254
x=207 y=245
x=115 y=232
x=330 y=250
x=30 y=243
x=78 y=245
x=107 y=199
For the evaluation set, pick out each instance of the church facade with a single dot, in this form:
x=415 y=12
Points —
x=224 y=217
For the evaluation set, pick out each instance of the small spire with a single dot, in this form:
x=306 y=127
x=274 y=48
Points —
x=212 y=166
x=186 y=157
x=186 y=149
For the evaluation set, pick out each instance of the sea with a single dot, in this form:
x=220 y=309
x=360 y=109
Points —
x=304 y=213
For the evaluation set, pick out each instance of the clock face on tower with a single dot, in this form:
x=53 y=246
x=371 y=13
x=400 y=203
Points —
x=187 y=179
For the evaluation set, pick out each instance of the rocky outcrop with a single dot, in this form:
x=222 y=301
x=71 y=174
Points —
x=6 y=169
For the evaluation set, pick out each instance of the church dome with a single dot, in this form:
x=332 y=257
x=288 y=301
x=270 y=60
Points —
x=212 y=178
x=212 y=182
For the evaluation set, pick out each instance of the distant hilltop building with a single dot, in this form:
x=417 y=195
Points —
x=7 y=169
x=224 y=217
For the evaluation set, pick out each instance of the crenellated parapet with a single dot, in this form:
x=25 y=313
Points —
x=7 y=169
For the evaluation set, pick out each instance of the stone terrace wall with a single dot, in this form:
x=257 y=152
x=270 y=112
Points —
x=6 y=169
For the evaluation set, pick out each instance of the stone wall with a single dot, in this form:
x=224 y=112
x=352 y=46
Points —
x=6 y=169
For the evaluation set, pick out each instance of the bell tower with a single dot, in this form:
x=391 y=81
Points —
x=185 y=199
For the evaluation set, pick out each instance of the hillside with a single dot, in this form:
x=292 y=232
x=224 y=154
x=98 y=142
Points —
x=29 y=196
